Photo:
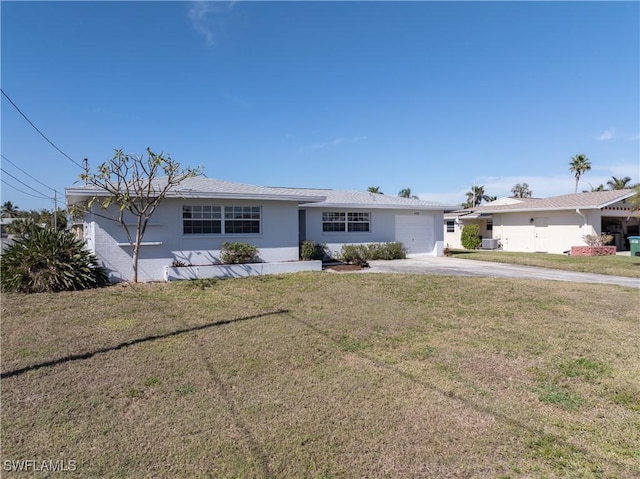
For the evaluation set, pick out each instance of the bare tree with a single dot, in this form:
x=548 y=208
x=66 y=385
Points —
x=134 y=184
x=521 y=190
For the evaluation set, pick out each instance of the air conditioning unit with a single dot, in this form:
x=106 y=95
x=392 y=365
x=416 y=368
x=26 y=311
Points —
x=489 y=243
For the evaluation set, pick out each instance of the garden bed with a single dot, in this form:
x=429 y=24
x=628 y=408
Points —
x=593 y=250
x=176 y=273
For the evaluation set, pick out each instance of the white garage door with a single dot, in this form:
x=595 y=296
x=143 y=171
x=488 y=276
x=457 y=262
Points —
x=415 y=232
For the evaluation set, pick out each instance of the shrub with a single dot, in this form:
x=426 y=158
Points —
x=470 y=236
x=595 y=240
x=310 y=250
x=44 y=260
x=361 y=253
x=238 y=253
x=355 y=254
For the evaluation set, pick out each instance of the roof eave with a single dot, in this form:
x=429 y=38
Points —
x=386 y=206
x=81 y=193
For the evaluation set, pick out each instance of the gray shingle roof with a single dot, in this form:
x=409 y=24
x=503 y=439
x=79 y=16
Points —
x=201 y=187
x=590 y=200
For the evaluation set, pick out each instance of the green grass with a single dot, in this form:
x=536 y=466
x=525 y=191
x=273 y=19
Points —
x=617 y=265
x=324 y=375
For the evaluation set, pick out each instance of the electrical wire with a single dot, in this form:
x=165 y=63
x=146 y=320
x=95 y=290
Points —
x=24 y=192
x=34 y=179
x=36 y=128
x=23 y=183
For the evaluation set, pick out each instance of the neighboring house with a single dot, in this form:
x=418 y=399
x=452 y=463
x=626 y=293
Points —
x=549 y=225
x=200 y=214
x=6 y=238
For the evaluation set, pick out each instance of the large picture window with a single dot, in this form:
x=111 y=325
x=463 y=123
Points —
x=207 y=219
x=350 y=222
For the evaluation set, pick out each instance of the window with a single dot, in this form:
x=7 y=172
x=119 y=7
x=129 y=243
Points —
x=489 y=225
x=451 y=226
x=333 y=221
x=202 y=219
x=207 y=219
x=241 y=219
x=339 y=221
x=358 y=222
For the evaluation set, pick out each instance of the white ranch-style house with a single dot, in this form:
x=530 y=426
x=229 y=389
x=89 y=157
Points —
x=547 y=225
x=200 y=214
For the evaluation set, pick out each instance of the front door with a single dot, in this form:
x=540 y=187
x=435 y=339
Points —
x=541 y=224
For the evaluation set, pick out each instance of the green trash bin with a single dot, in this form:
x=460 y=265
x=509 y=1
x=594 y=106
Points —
x=634 y=244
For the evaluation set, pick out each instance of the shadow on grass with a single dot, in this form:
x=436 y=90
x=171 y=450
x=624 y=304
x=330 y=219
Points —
x=90 y=354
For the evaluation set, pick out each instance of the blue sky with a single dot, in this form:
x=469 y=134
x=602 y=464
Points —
x=435 y=96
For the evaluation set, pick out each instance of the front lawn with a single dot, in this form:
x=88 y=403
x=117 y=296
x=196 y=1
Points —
x=617 y=265
x=324 y=375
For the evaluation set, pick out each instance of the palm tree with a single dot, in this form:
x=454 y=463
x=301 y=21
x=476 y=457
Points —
x=579 y=164
x=9 y=210
x=375 y=189
x=521 y=190
x=596 y=188
x=406 y=193
x=477 y=196
x=619 y=183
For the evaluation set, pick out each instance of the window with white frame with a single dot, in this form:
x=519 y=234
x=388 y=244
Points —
x=341 y=221
x=208 y=219
x=451 y=226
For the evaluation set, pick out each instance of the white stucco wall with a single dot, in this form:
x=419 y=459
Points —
x=278 y=240
x=382 y=229
x=517 y=232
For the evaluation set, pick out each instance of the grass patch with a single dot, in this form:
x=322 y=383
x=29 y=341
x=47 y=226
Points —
x=588 y=369
x=413 y=376
x=553 y=394
x=617 y=265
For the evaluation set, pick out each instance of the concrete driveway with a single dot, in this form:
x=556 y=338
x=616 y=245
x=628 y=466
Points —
x=465 y=267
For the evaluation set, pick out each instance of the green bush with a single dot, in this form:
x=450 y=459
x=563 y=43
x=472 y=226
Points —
x=354 y=254
x=238 y=253
x=386 y=251
x=470 y=236
x=361 y=253
x=43 y=260
x=310 y=250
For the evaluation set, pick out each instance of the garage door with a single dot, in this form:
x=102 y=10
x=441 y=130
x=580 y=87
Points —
x=415 y=232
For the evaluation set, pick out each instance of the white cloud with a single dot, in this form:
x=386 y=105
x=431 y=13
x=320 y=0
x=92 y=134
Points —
x=203 y=15
x=606 y=135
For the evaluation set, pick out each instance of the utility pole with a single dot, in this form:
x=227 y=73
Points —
x=55 y=210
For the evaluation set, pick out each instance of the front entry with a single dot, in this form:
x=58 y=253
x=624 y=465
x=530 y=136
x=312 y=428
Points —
x=541 y=224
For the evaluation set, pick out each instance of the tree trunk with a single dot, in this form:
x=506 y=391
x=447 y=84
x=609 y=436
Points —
x=134 y=262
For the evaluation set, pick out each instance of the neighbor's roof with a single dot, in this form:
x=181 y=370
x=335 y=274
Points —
x=587 y=201
x=364 y=199
x=201 y=187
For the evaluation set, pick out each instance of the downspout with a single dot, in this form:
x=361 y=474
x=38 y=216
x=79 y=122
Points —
x=580 y=213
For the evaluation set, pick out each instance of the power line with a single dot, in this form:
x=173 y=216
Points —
x=35 y=179
x=23 y=183
x=41 y=134
x=23 y=192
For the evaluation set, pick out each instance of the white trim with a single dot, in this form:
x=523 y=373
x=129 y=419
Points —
x=144 y=243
